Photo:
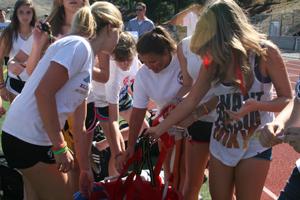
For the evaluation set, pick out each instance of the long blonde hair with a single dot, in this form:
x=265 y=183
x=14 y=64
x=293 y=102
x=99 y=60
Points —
x=223 y=31
x=56 y=17
x=89 y=21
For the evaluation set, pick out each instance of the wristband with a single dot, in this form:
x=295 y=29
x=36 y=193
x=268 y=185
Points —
x=60 y=146
x=61 y=151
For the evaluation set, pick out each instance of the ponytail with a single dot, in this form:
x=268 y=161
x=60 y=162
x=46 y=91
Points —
x=83 y=23
x=89 y=21
x=156 y=41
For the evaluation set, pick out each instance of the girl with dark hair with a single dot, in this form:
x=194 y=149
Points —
x=243 y=67
x=17 y=36
x=159 y=80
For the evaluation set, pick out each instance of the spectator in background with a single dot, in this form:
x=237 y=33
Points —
x=3 y=16
x=140 y=23
x=3 y=21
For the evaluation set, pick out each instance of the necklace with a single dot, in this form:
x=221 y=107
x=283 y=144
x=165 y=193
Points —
x=25 y=36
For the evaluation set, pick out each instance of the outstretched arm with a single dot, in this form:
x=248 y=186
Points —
x=185 y=108
x=46 y=103
x=82 y=148
x=274 y=67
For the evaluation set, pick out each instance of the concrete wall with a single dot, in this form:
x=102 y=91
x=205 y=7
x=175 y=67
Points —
x=287 y=42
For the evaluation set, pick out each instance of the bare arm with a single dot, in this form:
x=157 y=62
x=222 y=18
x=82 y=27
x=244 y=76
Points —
x=34 y=57
x=276 y=69
x=46 y=102
x=82 y=148
x=117 y=142
x=81 y=141
x=101 y=71
x=16 y=64
x=135 y=124
x=183 y=109
x=40 y=42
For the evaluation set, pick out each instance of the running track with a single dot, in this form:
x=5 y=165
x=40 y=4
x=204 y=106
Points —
x=284 y=157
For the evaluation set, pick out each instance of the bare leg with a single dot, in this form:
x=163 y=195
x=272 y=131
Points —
x=48 y=182
x=196 y=156
x=221 y=180
x=29 y=193
x=254 y=171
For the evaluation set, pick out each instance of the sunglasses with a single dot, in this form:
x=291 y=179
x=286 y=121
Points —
x=139 y=9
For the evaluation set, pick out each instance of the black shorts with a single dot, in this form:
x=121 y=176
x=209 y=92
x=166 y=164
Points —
x=91 y=120
x=200 y=131
x=21 y=155
x=14 y=85
x=102 y=114
x=125 y=103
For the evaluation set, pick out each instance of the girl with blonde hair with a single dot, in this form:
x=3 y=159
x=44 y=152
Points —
x=242 y=67
x=57 y=89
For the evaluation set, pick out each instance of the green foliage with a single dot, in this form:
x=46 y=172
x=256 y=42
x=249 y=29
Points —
x=157 y=10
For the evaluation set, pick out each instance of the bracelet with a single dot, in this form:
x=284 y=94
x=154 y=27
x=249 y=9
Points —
x=205 y=109
x=60 y=146
x=61 y=151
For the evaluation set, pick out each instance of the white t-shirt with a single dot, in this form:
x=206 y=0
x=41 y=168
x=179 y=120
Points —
x=298 y=164
x=160 y=87
x=23 y=119
x=190 y=21
x=194 y=64
x=20 y=44
x=117 y=85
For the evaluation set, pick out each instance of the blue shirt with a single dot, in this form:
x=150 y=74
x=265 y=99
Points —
x=144 y=26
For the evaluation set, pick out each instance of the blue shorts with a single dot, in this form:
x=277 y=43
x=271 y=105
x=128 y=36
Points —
x=265 y=155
